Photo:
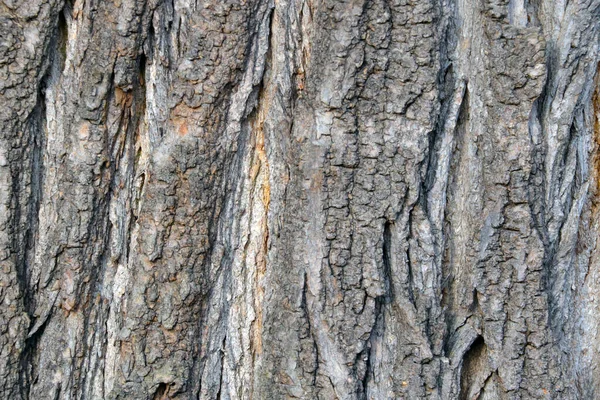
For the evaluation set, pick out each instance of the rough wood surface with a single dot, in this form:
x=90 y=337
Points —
x=312 y=199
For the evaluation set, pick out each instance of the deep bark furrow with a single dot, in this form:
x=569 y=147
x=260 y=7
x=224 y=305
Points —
x=352 y=199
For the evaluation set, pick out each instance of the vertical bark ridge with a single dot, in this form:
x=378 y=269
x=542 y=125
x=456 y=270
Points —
x=347 y=199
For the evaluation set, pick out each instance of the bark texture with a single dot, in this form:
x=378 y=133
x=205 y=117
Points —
x=313 y=199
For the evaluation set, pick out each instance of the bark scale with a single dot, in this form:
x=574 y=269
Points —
x=358 y=199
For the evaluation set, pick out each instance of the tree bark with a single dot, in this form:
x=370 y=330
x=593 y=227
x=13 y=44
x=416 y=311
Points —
x=316 y=199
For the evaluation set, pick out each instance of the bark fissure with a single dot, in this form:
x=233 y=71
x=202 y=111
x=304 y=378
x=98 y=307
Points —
x=299 y=199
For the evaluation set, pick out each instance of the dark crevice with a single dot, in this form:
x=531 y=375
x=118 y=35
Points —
x=556 y=279
x=26 y=364
x=227 y=193
x=57 y=393
x=100 y=228
x=135 y=150
x=33 y=145
x=537 y=181
x=36 y=142
x=222 y=350
x=446 y=82
x=367 y=352
x=409 y=266
x=474 y=367
x=387 y=262
x=99 y=231
x=255 y=95
x=462 y=122
x=304 y=308
x=447 y=267
x=475 y=303
x=378 y=328
x=376 y=335
x=446 y=79
x=62 y=38
x=148 y=51
x=542 y=211
x=141 y=82
x=27 y=215
x=162 y=392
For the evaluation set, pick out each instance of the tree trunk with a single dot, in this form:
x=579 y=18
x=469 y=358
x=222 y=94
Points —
x=315 y=199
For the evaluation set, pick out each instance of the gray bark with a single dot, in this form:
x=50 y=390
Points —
x=316 y=199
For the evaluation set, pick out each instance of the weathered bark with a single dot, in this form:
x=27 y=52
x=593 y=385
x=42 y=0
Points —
x=267 y=199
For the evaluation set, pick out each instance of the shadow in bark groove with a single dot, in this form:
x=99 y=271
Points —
x=475 y=370
x=161 y=392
